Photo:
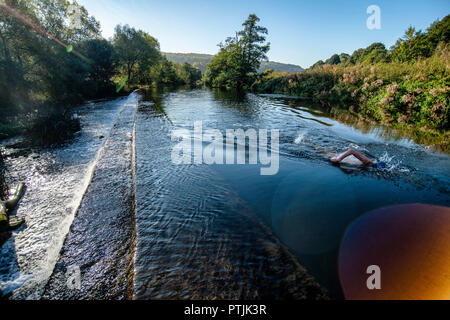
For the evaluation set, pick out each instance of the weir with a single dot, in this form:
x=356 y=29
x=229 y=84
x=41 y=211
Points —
x=100 y=243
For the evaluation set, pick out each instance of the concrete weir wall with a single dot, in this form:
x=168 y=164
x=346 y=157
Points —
x=96 y=261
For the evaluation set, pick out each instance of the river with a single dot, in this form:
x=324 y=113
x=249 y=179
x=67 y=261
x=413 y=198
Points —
x=199 y=231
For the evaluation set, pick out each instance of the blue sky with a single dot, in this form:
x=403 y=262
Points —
x=300 y=31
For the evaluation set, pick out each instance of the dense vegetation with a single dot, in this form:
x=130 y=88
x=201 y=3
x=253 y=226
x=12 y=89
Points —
x=52 y=57
x=201 y=61
x=407 y=86
x=237 y=63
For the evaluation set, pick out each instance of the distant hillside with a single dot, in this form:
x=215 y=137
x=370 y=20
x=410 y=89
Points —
x=200 y=61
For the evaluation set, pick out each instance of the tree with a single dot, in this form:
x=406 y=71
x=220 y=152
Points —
x=34 y=38
x=188 y=74
x=344 y=57
x=102 y=66
x=164 y=73
x=415 y=44
x=238 y=61
x=318 y=64
x=253 y=43
x=335 y=59
x=439 y=31
x=136 y=52
x=374 y=53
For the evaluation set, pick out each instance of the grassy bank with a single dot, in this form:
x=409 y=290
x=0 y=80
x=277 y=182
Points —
x=413 y=96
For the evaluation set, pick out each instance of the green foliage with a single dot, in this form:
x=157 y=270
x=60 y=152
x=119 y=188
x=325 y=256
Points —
x=237 y=63
x=188 y=74
x=374 y=53
x=51 y=127
x=164 y=73
x=417 y=44
x=101 y=70
x=140 y=61
x=170 y=74
x=407 y=87
x=35 y=66
x=201 y=61
x=335 y=59
x=397 y=93
x=136 y=52
x=46 y=60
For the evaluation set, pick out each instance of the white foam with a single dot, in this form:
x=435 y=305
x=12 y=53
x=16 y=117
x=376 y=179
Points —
x=301 y=137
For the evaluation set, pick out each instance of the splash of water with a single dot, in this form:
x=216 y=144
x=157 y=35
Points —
x=301 y=137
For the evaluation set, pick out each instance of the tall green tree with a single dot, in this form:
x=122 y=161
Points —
x=237 y=63
x=415 y=44
x=101 y=69
x=34 y=63
x=136 y=52
x=164 y=73
x=188 y=74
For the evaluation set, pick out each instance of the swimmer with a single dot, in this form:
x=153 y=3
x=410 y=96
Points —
x=365 y=161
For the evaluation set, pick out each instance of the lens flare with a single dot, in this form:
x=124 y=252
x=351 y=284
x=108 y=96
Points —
x=13 y=12
x=411 y=246
x=122 y=84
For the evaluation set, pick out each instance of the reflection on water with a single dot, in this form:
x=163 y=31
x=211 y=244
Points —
x=212 y=231
x=404 y=135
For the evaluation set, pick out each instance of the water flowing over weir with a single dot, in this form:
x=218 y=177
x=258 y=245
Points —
x=101 y=240
x=56 y=181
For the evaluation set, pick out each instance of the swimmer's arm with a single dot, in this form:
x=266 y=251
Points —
x=366 y=161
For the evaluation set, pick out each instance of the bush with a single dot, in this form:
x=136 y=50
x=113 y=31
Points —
x=398 y=93
x=52 y=128
x=8 y=130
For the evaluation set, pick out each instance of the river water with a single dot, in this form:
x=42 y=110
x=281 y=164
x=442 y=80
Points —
x=215 y=231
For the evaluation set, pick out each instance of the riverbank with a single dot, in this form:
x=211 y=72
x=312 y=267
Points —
x=411 y=97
